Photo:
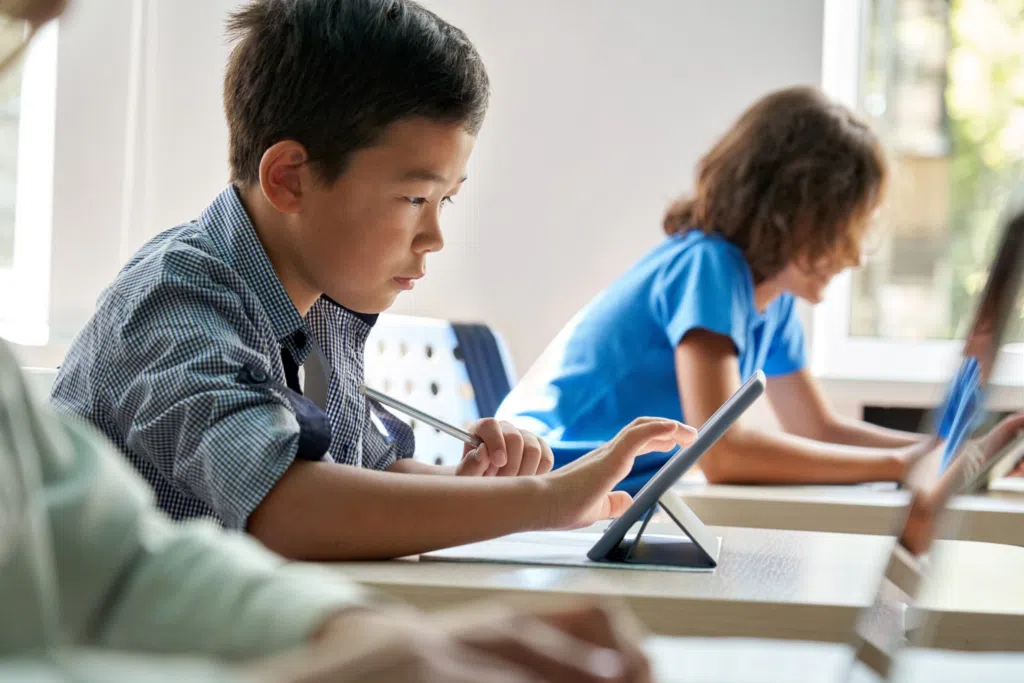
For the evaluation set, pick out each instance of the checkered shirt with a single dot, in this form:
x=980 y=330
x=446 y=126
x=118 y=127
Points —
x=183 y=366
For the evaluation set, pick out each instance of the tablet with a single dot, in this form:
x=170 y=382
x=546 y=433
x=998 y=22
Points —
x=669 y=474
x=882 y=629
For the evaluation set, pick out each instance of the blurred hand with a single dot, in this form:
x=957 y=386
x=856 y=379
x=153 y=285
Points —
x=506 y=452
x=908 y=457
x=1002 y=434
x=918 y=531
x=480 y=642
x=582 y=490
x=1018 y=470
x=35 y=12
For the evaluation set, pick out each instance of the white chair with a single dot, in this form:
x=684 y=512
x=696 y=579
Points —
x=455 y=371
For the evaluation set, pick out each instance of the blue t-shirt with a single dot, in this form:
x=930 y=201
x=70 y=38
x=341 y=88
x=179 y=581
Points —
x=615 y=360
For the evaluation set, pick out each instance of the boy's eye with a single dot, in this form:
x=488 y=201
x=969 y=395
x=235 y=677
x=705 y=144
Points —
x=420 y=201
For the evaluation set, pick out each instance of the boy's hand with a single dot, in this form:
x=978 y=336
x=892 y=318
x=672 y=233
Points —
x=582 y=490
x=506 y=452
x=584 y=642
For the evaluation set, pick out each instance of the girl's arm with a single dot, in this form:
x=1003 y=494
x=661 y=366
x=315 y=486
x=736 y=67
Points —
x=803 y=410
x=708 y=373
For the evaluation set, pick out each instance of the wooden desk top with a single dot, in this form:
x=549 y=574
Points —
x=730 y=660
x=992 y=517
x=769 y=584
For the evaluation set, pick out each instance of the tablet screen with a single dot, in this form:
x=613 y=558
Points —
x=881 y=628
x=679 y=463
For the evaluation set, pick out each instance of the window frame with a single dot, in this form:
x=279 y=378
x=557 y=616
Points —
x=25 y=285
x=836 y=354
x=89 y=212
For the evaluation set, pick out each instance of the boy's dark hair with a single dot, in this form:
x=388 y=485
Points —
x=796 y=175
x=333 y=74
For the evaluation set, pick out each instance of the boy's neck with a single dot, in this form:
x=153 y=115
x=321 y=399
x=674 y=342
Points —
x=272 y=231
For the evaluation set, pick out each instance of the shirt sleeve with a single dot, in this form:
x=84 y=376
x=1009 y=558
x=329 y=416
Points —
x=703 y=289
x=786 y=351
x=120 y=575
x=194 y=397
x=98 y=666
x=137 y=581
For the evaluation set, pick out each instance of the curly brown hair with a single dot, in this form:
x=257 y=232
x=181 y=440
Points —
x=796 y=177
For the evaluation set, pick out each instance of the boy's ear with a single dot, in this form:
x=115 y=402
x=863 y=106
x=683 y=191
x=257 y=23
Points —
x=283 y=170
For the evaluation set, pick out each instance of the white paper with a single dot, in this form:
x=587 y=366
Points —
x=546 y=548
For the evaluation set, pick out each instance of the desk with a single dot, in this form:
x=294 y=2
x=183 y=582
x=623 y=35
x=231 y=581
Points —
x=702 y=660
x=769 y=584
x=992 y=517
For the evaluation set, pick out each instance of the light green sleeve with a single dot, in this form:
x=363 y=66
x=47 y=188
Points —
x=138 y=581
x=114 y=572
x=101 y=666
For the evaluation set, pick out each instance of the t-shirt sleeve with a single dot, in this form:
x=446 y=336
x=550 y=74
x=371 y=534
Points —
x=704 y=288
x=196 y=401
x=786 y=352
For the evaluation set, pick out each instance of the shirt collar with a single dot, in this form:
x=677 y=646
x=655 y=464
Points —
x=235 y=237
x=369 y=319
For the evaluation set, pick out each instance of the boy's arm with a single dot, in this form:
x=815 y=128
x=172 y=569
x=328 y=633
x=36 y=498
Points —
x=410 y=466
x=323 y=511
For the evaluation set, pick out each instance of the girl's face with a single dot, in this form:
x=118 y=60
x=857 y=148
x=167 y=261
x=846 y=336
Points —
x=808 y=279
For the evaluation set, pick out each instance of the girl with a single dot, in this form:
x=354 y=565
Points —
x=782 y=205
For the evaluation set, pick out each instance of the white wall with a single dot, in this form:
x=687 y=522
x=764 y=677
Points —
x=92 y=68
x=600 y=110
x=174 y=164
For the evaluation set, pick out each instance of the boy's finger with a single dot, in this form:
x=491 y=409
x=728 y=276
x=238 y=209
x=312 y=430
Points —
x=490 y=433
x=475 y=463
x=514 y=444
x=547 y=457
x=655 y=434
x=532 y=452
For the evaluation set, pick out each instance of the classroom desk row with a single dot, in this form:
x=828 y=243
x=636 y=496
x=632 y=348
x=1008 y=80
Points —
x=990 y=517
x=725 y=660
x=780 y=584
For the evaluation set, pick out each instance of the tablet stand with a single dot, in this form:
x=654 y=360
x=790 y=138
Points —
x=699 y=547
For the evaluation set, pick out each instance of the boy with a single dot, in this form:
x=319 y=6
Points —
x=351 y=124
x=97 y=586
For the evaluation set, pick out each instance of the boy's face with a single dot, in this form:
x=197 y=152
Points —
x=365 y=238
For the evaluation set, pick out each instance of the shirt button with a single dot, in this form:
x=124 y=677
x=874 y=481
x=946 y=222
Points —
x=299 y=338
x=258 y=375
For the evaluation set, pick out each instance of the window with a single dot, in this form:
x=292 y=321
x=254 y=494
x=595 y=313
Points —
x=27 y=118
x=942 y=81
x=76 y=211
x=11 y=34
